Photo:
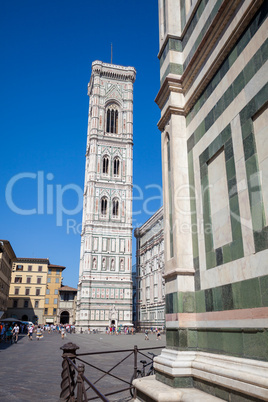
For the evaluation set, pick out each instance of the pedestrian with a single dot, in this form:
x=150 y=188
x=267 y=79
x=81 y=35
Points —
x=15 y=332
x=3 y=333
x=39 y=334
x=158 y=335
x=62 y=332
x=146 y=335
x=9 y=334
x=30 y=332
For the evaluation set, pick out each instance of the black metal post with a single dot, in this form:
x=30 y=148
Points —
x=81 y=370
x=135 y=368
x=67 y=374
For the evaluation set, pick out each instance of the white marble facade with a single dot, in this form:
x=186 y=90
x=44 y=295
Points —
x=106 y=243
x=213 y=101
x=150 y=270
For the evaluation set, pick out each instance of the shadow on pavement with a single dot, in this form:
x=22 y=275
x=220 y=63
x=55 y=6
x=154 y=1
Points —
x=7 y=344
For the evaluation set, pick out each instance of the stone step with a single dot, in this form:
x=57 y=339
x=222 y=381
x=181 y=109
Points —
x=150 y=390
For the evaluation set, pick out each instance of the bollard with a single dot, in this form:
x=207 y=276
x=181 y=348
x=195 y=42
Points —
x=135 y=368
x=68 y=373
x=81 y=370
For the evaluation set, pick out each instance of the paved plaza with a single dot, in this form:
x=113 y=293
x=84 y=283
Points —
x=31 y=370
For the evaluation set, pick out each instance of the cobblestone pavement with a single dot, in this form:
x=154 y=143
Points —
x=31 y=370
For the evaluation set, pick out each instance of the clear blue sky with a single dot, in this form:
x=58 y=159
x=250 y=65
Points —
x=47 y=48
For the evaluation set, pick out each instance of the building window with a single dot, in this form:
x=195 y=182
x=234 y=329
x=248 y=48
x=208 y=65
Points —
x=46 y=301
x=39 y=280
x=105 y=165
x=37 y=292
x=112 y=120
x=27 y=291
x=54 y=311
x=36 y=304
x=116 y=167
x=40 y=268
x=18 y=279
x=28 y=279
x=104 y=203
x=19 y=268
x=58 y=271
x=115 y=208
x=49 y=270
x=26 y=303
x=55 y=301
x=55 y=291
x=30 y=267
x=47 y=291
x=48 y=280
x=57 y=280
x=16 y=291
x=15 y=303
x=46 y=310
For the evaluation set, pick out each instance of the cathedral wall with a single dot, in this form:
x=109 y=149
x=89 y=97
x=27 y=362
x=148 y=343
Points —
x=213 y=101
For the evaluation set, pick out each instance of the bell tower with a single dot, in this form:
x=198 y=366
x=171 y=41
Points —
x=105 y=282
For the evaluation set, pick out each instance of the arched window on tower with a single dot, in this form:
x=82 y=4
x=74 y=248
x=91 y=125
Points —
x=105 y=165
x=116 y=167
x=112 y=119
x=115 y=208
x=104 y=204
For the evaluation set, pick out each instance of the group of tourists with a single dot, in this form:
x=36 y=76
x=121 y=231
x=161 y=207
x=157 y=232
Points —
x=9 y=332
x=50 y=328
x=153 y=331
x=113 y=330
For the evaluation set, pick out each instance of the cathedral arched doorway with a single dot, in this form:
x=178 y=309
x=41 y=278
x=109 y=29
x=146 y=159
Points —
x=64 y=317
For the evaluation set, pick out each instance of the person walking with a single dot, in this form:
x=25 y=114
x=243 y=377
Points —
x=39 y=334
x=158 y=335
x=62 y=332
x=30 y=332
x=3 y=333
x=146 y=335
x=15 y=332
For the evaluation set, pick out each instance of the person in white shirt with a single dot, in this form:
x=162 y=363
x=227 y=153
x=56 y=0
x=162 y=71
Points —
x=15 y=332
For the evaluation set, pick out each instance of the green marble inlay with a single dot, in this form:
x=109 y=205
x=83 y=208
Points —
x=205 y=28
x=247 y=294
x=264 y=290
x=220 y=298
x=175 y=382
x=256 y=345
x=200 y=301
x=240 y=342
x=217 y=299
x=172 y=68
x=235 y=249
x=260 y=230
x=193 y=205
x=172 y=44
x=226 y=250
x=179 y=45
x=249 y=71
